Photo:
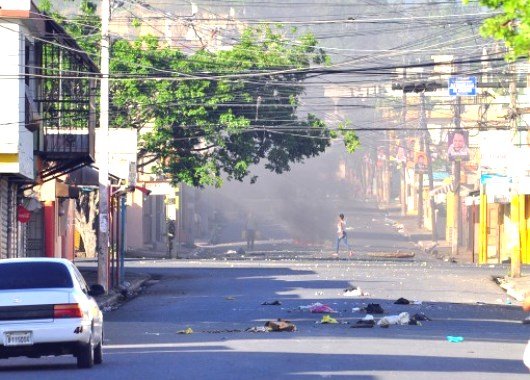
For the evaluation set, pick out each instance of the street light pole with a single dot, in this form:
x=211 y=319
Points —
x=103 y=154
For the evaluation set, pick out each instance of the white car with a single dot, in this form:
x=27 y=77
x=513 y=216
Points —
x=46 y=308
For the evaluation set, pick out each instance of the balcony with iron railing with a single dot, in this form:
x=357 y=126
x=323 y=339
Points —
x=59 y=143
x=67 y=100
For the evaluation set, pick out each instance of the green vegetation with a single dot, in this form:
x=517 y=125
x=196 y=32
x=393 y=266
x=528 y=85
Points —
x=214 y=115
x=512 y=25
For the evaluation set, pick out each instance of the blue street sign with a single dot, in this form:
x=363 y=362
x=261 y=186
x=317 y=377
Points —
x=462 y=86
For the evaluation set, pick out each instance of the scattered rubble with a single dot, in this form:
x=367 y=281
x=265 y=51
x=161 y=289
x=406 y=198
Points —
x=396 y=255
x=187 y=331
x=374 y=308
x=367 y=322
x=402 y=301
x=272 y=303
x=353 y=292
x=280 y=325
x=258 y=329
x=420 y=317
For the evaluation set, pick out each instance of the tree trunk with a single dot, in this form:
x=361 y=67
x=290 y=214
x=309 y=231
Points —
x=85 y=215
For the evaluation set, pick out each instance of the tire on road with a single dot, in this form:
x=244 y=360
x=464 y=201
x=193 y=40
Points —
x=85 y=355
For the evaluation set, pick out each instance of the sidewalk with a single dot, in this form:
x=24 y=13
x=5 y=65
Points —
x=517 y=288
x=407 y=225
x=132 y=284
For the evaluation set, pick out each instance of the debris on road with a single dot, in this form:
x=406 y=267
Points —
x=230 y=252
x=374 y=308
x=368 y=317
x=272 y=303
x=402 y=301
x=258 y=329
x=230 y=298
x=317 y=307
x=401 y=319
x=395 y=255
x=328 y=319
x=455 y=339
x=187 y=331
x=367 y=322
x=280 y=325
x=363 y=324
x=353 y=292
x=420 y=317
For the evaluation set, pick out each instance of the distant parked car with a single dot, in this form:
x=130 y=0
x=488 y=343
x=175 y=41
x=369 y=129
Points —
x=46 y=308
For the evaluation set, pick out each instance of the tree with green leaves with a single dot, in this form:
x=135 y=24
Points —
x=242 y=112
x=511 y=24
x=213 y=115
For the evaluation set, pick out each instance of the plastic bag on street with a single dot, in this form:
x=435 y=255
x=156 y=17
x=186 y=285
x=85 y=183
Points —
x=401 y=319
x=317 y=307
x=328 y=319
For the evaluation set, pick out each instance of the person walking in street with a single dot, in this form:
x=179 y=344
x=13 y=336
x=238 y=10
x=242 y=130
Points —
x=342 y=235
x=250 y=231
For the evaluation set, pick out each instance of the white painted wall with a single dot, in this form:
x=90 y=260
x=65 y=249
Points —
x=10 y=35
x=18 y=5
x=16 y=139
x=122 y=144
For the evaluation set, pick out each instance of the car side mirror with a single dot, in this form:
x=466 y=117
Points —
x=96 y=290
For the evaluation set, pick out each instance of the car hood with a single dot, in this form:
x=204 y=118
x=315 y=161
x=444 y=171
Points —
x=26 y=297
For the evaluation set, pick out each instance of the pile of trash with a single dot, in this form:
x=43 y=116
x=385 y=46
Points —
x=367 y=321
x=403 y=318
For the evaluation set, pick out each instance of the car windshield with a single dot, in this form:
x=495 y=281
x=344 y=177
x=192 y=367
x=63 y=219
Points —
x=34 y=275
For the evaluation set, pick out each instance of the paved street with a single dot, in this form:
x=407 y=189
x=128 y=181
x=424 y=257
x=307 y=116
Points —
x=220 y=299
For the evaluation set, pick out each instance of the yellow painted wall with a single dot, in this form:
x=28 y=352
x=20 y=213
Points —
x=9 y=163
x=483 y=228
x=523 y=228
x=450 y=199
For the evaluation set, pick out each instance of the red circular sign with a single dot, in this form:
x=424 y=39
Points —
x=23 y=214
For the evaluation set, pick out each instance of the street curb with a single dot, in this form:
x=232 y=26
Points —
x=512 y=289
x=117 y=294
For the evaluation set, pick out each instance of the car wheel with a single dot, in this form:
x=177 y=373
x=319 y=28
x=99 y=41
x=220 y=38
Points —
x=85 y=356
x=98 y=353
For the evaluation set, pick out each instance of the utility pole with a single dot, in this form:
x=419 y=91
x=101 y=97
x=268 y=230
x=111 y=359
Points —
x=103 y=154
x=427 y=144
x=404 y=164
x=515 y=267
x=455 y=238
x=423 y=127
